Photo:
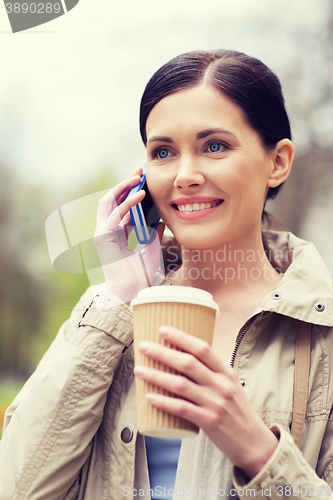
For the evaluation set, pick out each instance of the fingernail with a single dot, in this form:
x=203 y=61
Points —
x=139 y=371
x=143 y=347
x=150 y=396
x=164 y=331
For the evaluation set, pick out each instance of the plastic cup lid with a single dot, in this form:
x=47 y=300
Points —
x=183 y=294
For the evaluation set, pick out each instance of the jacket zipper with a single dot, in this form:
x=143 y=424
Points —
x=242 y=335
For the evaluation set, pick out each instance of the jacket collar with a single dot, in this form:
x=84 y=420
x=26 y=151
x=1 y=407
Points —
x=306 y=290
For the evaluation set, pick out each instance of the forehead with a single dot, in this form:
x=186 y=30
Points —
x=197 y=107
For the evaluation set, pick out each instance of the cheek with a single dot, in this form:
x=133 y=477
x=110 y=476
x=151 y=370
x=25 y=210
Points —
x=250 y=180
x=154 y=189
x=158 y=182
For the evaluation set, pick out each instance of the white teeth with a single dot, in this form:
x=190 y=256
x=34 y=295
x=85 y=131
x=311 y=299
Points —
x=196 y=206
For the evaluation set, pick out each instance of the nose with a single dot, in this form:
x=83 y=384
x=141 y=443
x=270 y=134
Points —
x=188 y=174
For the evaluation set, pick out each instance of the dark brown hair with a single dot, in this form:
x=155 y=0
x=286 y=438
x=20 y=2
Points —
x=244 y=80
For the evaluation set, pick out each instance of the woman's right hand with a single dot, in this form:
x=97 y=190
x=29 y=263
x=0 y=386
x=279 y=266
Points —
x=126 y=272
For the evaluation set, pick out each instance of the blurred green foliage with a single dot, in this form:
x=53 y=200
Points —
x=34 y=298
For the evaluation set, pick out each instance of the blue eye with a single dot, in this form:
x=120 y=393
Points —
x=162 y=153
x=214 y=147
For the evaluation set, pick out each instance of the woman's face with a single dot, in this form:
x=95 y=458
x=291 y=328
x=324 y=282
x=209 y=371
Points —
x=201 y=152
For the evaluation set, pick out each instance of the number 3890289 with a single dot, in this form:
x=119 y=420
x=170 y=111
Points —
x=33 y=8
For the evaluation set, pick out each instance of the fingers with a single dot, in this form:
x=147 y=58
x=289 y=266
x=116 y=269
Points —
x=122 y=210
x=185 y=409
x=181 y=386
x=110 y=238
x=204 y=405
x=207 y=397
x=115 y=196
x=182 y=362
x=110 y=214
x=136 y=171
x=195 y=346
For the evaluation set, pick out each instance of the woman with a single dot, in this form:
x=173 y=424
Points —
x=218 y=145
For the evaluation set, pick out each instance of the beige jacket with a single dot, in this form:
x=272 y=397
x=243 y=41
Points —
x=71 y=433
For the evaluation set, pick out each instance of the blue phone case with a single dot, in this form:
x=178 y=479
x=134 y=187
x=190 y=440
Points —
x=143 y=232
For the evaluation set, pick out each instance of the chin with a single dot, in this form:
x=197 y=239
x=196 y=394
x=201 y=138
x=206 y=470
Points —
x=198 y=241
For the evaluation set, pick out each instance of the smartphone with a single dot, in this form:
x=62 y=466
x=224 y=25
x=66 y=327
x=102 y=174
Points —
x=144 y=215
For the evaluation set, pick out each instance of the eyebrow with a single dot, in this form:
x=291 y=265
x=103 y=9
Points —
x=210 y=131
x=160 y=139
x=200 y=135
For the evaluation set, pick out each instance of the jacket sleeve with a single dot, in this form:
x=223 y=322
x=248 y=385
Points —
x=286 y=475
x=49 y=427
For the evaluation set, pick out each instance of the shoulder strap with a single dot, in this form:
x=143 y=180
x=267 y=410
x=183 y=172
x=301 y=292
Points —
x=301 y=379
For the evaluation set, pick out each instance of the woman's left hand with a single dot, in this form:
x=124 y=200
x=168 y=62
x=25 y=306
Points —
x=213 y=398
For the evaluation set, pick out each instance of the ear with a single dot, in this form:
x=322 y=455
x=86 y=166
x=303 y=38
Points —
x=282 y=160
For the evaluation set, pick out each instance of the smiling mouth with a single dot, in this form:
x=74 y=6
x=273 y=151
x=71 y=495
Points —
x=193 y=207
